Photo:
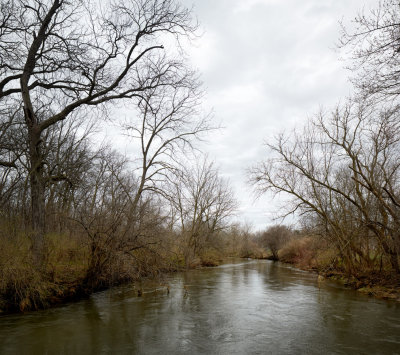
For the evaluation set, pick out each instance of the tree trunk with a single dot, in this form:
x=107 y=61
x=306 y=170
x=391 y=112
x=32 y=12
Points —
x=393 y=257
x=37 y=185
x=394 y=261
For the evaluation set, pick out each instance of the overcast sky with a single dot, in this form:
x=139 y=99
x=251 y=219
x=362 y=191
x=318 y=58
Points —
x=266 y=65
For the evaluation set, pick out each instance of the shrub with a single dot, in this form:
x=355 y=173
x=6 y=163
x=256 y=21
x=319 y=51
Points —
x=301 y=251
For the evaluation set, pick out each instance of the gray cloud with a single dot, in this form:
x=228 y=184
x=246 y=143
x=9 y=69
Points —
x=266 y=65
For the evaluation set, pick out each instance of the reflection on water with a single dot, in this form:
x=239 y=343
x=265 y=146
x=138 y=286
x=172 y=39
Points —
x=251 y=307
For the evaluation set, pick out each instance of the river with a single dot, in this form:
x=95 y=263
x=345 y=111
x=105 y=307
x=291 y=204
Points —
x=247 y=307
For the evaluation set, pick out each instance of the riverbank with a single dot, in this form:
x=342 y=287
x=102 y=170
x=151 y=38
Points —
x=373 y=284
x=381 y=284
x=75 y=268
x=23 y=289
x=27 y=295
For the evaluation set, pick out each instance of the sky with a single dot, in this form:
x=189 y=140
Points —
x=266 y=65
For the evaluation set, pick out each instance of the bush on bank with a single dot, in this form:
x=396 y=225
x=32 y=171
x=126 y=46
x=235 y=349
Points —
x=310 y=252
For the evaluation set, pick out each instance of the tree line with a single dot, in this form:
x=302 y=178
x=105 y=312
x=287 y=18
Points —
x=66 y=203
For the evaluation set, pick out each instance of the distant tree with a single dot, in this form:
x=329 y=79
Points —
x=202 y=203
x=58 y=57
x=274 y=238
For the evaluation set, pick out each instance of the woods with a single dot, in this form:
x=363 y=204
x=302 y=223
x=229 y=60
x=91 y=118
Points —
x=73 y=211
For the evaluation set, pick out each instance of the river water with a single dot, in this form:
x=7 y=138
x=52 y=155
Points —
x=247 y=307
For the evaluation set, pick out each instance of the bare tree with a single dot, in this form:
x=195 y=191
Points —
x=103 y=207
x=59 y=57
x=373 y=43
x=339 y=170
x=67 y=159
x=202 y=202
x=274 y=238
x=168 y=122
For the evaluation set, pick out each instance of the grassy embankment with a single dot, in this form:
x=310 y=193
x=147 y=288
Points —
x=65 y=277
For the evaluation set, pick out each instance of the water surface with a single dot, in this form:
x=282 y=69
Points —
x=248 y=307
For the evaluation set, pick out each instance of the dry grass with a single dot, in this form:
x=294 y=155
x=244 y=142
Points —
x=67 y=258
x=21 y=287
x=211 y=257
